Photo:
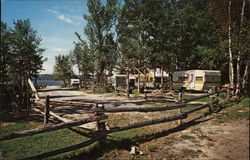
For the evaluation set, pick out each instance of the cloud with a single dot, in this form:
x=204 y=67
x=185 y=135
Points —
x=48 y=68
x=59 y=49
x=62 y=17
x=66 y=18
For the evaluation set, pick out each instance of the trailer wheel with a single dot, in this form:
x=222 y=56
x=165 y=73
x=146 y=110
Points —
x=183 y=89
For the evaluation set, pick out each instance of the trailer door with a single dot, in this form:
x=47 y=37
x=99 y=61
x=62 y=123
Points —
x=192 y=80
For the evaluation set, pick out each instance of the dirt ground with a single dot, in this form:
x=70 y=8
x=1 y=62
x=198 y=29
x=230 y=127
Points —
x=207 y=140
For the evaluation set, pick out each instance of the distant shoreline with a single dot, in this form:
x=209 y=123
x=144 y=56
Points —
x=49 y=82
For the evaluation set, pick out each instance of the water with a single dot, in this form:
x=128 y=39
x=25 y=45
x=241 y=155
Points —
x=49 y=82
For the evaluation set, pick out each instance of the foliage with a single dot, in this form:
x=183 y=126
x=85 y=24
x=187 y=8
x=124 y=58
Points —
x=98 y=30
x=21 y=57
x=84 y=59
x=63 y=69
x=177 y=35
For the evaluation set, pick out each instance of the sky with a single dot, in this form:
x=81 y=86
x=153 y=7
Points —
x=55 y=21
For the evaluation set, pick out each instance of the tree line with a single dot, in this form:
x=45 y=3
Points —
x=136 y=35
x=21 y=58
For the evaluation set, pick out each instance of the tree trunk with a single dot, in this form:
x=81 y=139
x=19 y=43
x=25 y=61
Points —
x=145 y=83
x=162 y=78
x=238 y=86
x=138 y=82
x=245 y=78
x=154 y=79
x=231 y=69
x=127 y=83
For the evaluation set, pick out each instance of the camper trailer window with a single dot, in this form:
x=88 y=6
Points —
x=182 y=79
x=199 y=78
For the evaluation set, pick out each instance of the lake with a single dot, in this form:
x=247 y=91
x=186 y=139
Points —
x=49 y=82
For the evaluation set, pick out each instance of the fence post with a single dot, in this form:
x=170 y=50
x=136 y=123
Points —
x=145 y=94
x=211 y=100
x=46 y=110
x=98 y=125
x=28 y=105
x=180 y=109
x=228 y=92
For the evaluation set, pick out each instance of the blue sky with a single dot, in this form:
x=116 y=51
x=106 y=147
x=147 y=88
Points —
x=56 y=21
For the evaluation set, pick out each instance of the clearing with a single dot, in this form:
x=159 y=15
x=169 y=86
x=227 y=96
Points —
x=221 y=135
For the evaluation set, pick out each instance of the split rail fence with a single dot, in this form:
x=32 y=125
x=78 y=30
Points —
x=102 y=128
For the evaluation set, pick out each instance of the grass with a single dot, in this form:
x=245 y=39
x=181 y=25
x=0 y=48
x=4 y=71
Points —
x=184 y=136
x=39 y=143
x=98 y=90
x=152 y=148
x=36 y=144
x=191 y=153
x=235 y=112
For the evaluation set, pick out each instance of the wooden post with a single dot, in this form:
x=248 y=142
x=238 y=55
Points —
x=228 y=93
x=211 y=100
x=180 y=97
x=145 y=84
x=145 y=94
x=46 y=110
x=98 y=126
x=28 y=105
x=138 y=83
x=180 y=109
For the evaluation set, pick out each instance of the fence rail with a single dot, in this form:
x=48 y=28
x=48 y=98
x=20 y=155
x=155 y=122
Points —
x=100 y=110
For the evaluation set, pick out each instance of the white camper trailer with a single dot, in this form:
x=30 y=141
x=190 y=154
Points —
x=74 y=82
x=198 y=80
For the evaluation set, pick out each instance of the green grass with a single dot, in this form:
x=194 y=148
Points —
x=184 y=136
x=152 y=147
x=191 y=153
x=39 y=143
x=98 y=90
x=235 y=112
x=128 y=134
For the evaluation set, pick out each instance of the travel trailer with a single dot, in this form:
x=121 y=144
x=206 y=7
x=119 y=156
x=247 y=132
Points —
x=197 y=80
x=120 y=79
x=74 y=82
x=151 y=79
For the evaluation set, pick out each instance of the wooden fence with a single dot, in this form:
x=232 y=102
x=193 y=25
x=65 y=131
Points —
x=99 y=111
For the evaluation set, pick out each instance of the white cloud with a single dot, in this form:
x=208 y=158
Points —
x=66 y=18
x=48 y=68
x=62 y=17
x=59 y=49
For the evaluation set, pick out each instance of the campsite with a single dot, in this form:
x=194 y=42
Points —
x=124 y=79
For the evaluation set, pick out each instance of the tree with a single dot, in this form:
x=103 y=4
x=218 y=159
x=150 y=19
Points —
x=99 y=33
x=83 y=57
x=63 y=69
x=5 y=57
x=233 y=15
x=21 y=58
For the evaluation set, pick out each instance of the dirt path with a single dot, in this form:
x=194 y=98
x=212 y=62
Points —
x=73 y=95
x=217 y=141
x=76 y=112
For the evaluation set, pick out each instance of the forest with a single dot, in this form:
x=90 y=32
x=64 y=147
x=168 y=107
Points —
x=133 y=36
